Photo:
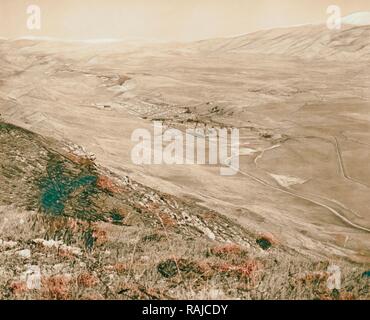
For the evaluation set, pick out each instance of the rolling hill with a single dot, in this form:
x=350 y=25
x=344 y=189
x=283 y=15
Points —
x=309 y=41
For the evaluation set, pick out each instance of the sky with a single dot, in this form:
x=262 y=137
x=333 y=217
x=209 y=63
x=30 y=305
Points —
x=168 y=20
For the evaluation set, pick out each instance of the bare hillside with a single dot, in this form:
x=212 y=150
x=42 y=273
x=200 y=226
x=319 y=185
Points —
x=311 y=41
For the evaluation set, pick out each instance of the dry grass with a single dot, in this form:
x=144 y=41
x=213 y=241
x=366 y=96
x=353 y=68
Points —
x=106 y=183
x=87 y=280
x=126 y=265
x=228 y=249
x=56 y=287
x=142 y=244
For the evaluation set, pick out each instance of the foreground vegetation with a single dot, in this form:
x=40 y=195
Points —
x=72 y=230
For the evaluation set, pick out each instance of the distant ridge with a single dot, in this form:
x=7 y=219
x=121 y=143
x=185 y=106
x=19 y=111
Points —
x=87 y=41
x=357 y=18
x=37 y=38
x=308 y=41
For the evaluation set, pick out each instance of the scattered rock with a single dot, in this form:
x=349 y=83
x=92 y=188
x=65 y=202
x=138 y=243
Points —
x=8 y=244
x=58 y=245
x=26 y=253
x=58 y=267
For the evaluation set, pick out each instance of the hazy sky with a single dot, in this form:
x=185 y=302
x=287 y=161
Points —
x=163 y=19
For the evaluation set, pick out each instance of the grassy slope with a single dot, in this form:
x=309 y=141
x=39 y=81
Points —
x=97 y=236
